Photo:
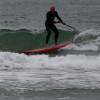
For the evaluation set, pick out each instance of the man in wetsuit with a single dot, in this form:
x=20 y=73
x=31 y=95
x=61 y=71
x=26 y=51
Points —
x=50 y=21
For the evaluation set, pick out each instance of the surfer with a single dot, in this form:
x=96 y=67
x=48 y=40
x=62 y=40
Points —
x=50 y=24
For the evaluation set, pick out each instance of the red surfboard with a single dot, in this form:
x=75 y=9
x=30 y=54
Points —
x=47 y=49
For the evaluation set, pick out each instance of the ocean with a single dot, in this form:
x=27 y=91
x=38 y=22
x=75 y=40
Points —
x=71 y=73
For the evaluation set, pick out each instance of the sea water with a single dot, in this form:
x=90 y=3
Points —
x=73 y=73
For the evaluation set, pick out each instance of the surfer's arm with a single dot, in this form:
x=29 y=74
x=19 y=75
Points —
x=59 y=19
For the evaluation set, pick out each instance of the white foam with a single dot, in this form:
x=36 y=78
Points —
x=82 y=47
x=44 y=72
x=92 y=32
x=86 y=40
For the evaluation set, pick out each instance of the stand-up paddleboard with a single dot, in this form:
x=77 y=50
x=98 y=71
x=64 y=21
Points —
x=47 y=49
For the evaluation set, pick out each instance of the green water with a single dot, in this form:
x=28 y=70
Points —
x=11 y=40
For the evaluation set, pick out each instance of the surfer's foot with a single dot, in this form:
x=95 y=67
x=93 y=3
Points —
x=56 y=43
x=46 y=45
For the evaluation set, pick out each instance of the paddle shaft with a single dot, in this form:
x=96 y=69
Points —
x=71 y=27
x=74 y=29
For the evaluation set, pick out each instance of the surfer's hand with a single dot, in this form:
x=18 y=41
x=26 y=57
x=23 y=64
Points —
x=63 y=23
x=56 y=22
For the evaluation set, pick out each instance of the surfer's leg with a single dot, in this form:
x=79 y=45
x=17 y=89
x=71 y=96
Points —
x=48 y=35
x=56 y=33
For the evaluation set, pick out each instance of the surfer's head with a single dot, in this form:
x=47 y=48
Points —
x=52 y=8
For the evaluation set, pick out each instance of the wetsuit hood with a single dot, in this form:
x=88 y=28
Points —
x=52 y=8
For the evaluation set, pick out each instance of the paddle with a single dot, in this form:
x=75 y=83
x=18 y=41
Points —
x=74 y=29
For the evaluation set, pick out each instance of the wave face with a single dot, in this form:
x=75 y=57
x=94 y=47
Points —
x=23 y=39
